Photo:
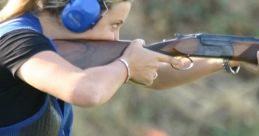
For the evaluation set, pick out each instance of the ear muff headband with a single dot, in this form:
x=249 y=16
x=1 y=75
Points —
x=80 y=15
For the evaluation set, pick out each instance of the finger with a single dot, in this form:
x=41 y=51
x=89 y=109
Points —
x=140 y=42
x=148 y=79
x=169 y=59
x=155 y=75
x=145 y=81
x=149 y=83
x=257 y=57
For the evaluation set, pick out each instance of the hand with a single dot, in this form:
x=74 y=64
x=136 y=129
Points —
x=144 y=63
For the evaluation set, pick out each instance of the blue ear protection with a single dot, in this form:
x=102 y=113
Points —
x=80 y=15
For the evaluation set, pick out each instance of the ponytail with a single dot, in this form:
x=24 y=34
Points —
x=15 y=8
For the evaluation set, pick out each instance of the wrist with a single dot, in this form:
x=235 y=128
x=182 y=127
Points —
x=126 y=65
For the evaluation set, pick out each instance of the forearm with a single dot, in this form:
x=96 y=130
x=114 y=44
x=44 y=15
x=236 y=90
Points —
x=169 y=77
x=101 y=83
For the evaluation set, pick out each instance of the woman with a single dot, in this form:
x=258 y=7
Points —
x=37 y=85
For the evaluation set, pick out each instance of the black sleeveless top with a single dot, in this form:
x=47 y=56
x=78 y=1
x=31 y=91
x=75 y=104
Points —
x=15 y=96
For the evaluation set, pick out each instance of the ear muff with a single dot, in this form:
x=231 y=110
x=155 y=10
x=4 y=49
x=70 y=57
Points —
x=80 y=15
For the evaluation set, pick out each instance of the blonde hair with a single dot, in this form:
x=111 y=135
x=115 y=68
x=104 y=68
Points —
x=17 y=7
x=14 y=8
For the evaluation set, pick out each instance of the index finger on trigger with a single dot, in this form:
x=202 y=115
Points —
x=169 y=59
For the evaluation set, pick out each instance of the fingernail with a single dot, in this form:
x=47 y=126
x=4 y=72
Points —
x=142 y=41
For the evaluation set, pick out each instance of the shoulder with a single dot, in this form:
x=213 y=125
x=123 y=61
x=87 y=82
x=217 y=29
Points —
x=25 y=21
x=23 y=36
x=25 y=33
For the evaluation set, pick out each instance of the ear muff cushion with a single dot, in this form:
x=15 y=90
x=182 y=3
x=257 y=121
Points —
x=80 y=15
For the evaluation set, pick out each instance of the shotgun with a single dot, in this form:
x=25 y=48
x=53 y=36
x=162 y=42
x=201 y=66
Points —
x=86 y=54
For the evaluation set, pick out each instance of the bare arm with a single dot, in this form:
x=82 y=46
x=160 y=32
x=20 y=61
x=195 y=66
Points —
x=50 y=73
x=169 y=77
x=88 y=86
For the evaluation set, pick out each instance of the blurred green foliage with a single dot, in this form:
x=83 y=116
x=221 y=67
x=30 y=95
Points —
x=2 y=2
x=167 y=17
x=219 y=105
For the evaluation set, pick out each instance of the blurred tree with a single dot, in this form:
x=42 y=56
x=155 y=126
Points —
x=222 y=105
x=166 y=17
x=2 y=2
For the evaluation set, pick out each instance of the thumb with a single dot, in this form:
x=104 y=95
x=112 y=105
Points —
x=139 y=42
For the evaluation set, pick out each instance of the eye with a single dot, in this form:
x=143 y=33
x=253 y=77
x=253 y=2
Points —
x=115 y=26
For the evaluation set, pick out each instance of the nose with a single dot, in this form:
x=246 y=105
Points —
x=116 y=35
x=112 y=36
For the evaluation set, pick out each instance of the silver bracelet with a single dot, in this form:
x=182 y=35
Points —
x=228 y=68
x=126 y=64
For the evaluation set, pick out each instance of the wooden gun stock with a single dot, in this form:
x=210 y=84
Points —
x=95 y=53
x=85 y=54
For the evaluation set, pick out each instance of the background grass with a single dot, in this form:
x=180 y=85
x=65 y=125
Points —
x=217 y=105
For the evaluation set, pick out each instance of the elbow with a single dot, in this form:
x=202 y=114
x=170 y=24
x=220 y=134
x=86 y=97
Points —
x=87 y=102
x=89 y=97
x=86 y=93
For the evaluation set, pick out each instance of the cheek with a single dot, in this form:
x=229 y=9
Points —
x=102 y=34
x=102 y=31
x=106 y=32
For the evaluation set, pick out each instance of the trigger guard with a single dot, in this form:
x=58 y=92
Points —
x=185 y=68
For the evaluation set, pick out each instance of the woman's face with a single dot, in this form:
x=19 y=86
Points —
x=109 y=25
